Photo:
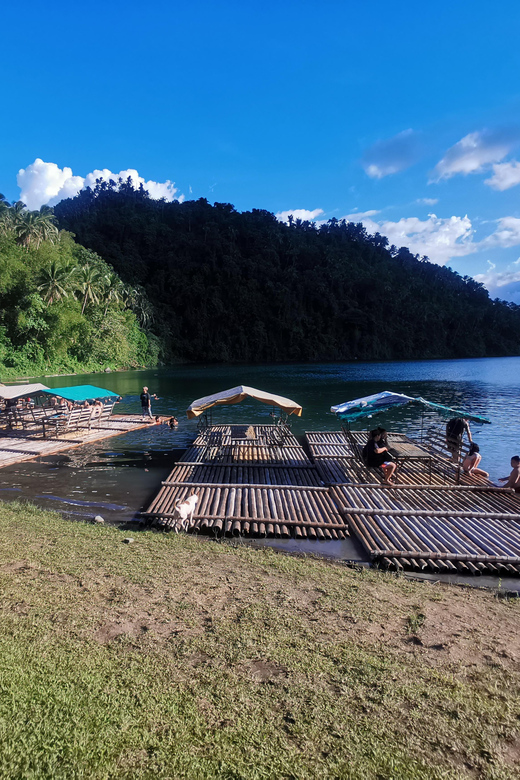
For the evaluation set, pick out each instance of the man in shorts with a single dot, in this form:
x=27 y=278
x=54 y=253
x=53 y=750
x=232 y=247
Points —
x=455 y=430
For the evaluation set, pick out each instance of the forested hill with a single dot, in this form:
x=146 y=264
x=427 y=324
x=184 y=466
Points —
x=230 y=286
x=62 y=308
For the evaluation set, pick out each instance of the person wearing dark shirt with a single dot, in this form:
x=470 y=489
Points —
x=146 y=403
x=377 y=455
x=455 y=430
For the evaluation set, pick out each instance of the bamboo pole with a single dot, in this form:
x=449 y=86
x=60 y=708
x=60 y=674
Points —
x=476 y=514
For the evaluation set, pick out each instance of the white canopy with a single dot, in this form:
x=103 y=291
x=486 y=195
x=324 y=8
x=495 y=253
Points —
x=237 y=394
x=20 y=391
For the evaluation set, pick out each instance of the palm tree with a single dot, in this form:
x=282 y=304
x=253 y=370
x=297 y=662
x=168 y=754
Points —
x=54 y=282
x=90 y=280
x=33 y=226
x=112 y=290
x=48 y=230
x=135 y=298
x=5 y=215
x=26 y=228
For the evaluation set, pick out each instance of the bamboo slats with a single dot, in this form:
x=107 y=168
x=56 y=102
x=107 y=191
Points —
x=428 y=498
x=272 y=474
x=258 y=486
x=470 y=529
x=245 y=487
x=18 y=446
x=279 y=505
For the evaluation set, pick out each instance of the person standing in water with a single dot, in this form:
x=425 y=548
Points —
x=513 y=480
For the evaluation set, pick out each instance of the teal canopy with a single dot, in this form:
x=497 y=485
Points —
x=359 y=408
x=81 y=393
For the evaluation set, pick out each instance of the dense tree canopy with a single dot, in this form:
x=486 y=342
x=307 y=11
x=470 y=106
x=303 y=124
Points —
x=61 y=306
x=230 y=286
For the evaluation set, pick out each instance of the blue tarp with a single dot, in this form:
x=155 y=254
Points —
x=81 y=393
x=359 y=408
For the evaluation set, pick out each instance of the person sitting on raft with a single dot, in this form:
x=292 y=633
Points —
x=377 y=455
x=513 y=480
x=472 y=460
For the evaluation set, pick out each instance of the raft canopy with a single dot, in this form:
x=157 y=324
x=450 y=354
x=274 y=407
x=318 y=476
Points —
x=11 y=392
x=359 y=408
x=237 y=394
x=82 y=393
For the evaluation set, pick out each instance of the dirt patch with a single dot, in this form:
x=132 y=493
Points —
x=511 y=751
x=33 y=570
x=136 y=628
x=263 y=671
x=199 y=659
x=462 y=629
x=18 y=566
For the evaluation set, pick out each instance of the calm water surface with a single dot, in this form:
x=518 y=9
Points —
x=118 y=477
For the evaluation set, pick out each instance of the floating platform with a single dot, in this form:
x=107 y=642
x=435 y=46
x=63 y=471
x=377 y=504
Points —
x=259 y=481
x=444 y=529
x=17 y=446
x=255 y=481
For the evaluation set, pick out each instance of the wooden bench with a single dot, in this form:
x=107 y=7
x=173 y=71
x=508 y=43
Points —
x=106 y=411
x=64 y=422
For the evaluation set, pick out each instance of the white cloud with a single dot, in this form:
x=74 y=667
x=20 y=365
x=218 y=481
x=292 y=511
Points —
x=40 y=182
x=392 y=155
x=505 y=175
x=43 y=183
x=493 y=279
x=427 y=201
x=304 y=214
x=439 y=239
x=359 y=216
x=475 y=152
x=506 y=235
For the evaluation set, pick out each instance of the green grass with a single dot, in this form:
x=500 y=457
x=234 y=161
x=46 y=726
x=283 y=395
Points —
x=178 y=658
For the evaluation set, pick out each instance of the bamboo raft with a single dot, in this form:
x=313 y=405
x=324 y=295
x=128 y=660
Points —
x=268 y=486
x=19 y=446
x=264 y=486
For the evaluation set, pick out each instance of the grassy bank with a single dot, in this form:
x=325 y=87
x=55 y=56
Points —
x=171 y=658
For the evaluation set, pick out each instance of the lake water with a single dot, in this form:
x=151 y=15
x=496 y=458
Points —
x=118 y=477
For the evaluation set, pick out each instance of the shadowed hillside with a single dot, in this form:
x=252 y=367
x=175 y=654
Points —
x=230 y=286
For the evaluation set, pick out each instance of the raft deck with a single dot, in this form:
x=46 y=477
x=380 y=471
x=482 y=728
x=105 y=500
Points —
x=259 y=485
x=17 y=446
x=426 y=521
x=266 y=485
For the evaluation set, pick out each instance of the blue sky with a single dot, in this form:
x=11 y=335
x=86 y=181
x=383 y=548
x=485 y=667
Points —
x=403 y=115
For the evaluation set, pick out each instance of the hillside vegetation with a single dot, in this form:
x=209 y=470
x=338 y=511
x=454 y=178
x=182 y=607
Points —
x=62 y=307
x=230 y=286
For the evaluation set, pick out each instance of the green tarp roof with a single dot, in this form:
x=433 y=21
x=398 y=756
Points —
x=81 y=393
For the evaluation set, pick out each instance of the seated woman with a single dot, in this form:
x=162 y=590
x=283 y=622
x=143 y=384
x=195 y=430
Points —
x=472 y=460
x=377 y=455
